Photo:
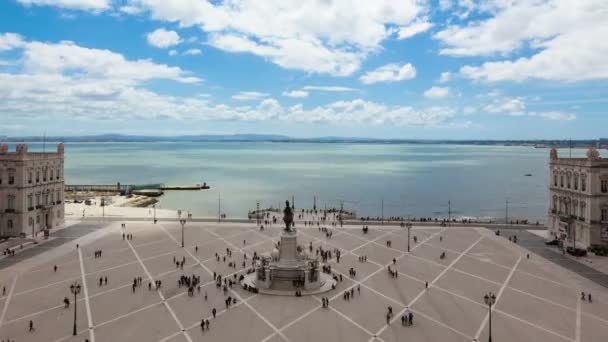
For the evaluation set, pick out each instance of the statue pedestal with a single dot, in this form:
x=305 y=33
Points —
x=288 y=251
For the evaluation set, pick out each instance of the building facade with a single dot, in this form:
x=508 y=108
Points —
x=578 y=199
x=31 y=191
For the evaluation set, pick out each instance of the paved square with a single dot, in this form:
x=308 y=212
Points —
x=536 y=299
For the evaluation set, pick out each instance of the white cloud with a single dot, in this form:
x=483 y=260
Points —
x=89 y=5
x=445 y=5
x=389 y=73
x=172 y=52
x=162 y=38
x=9 y=41
x=469 y=110
x=413 y=29
x=330 y=37
x=249 y=96
x=67 y=57
x=512 y=105
x=556 y=116
x=567 y=39
x=296 y=93
x=445 y=77
x=192 y=52
x=132 y=10
x=437 y=92
x=305 y=54
x=328 y=88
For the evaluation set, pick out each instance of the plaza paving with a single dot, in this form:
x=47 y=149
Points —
x=536 y=299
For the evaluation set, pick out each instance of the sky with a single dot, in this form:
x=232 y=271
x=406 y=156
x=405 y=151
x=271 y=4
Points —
x=404 y=69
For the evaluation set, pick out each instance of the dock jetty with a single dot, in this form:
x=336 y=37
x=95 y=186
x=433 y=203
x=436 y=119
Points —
x=144 y=189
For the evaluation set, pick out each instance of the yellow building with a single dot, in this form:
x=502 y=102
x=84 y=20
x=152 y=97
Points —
x=31 y=191
x=578 y=199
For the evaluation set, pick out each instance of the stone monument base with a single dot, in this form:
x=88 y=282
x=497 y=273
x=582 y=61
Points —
x=285 y=288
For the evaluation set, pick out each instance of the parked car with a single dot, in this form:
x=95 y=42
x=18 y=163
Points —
x=576 y=251
x=552 y=242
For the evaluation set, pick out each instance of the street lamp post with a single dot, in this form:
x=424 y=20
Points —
x=75 y=289
x=408 y=226
x=489 y=299
x=183 y=223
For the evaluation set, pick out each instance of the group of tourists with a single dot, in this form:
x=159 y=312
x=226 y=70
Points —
x=349 y=294
x=97 y=254
x=127 y=236
x=588 y=296
x=407 y=319
x=362 y=258
x=393 y=273
x=325 y=302
x=103 y=281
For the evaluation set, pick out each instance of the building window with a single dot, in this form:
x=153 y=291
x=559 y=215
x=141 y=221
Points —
x=582 y=216
x=9 y=224
x=51 y=174
x=10 y=202
x=583 y=183
x=11 y=177
x=604 y=214
x=561 y=181
x=29 y=177
x=38 y=199
x=44 y=175
x=604 y=185
x=576 y=181
x=30 y=201
x=37 y=219
x=568 y=181
x=555 y=179
x=37 y=176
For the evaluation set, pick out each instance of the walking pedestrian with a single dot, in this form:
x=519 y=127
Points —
x=589 y=297
x=213 y=312
x=55 y=268
x=31 y=325
x=203 y=324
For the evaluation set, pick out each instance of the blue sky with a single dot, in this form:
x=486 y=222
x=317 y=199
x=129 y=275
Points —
x=444 y=69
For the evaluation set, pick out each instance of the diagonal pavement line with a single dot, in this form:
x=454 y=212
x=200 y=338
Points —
x=8 y=300
x=241 y=299
x=433 y=281
x=335 y=296
x=498 y=296
x=534 y=325
x=86 y=297
x=151 y=279
x=502 y=312
x=578 y=320
x=417 y=312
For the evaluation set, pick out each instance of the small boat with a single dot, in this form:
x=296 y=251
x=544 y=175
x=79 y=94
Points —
x=528 y=175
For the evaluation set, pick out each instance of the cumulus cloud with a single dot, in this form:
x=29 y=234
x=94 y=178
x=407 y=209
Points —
x=556 y=116
x=249 y=96
x=162 y=38
x=88 y=5
x=389 y=73
x=328 y=88
x=512 y=105
x=331 y=37
x=193 y=52
x=414 y=29
x=437 y=92
x=296 y=93
x=445 y=77
x=567 y=39
x=516 y=106
x=9 y=41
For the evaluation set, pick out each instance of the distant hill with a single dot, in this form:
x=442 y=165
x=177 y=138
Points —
x=601 y=143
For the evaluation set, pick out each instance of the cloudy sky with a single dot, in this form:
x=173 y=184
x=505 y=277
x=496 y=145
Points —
x=453 y=69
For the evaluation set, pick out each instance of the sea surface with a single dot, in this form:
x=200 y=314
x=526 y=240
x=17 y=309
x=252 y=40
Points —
x=371 y=179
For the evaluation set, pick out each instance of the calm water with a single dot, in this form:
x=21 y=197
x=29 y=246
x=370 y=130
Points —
x=411 y=179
